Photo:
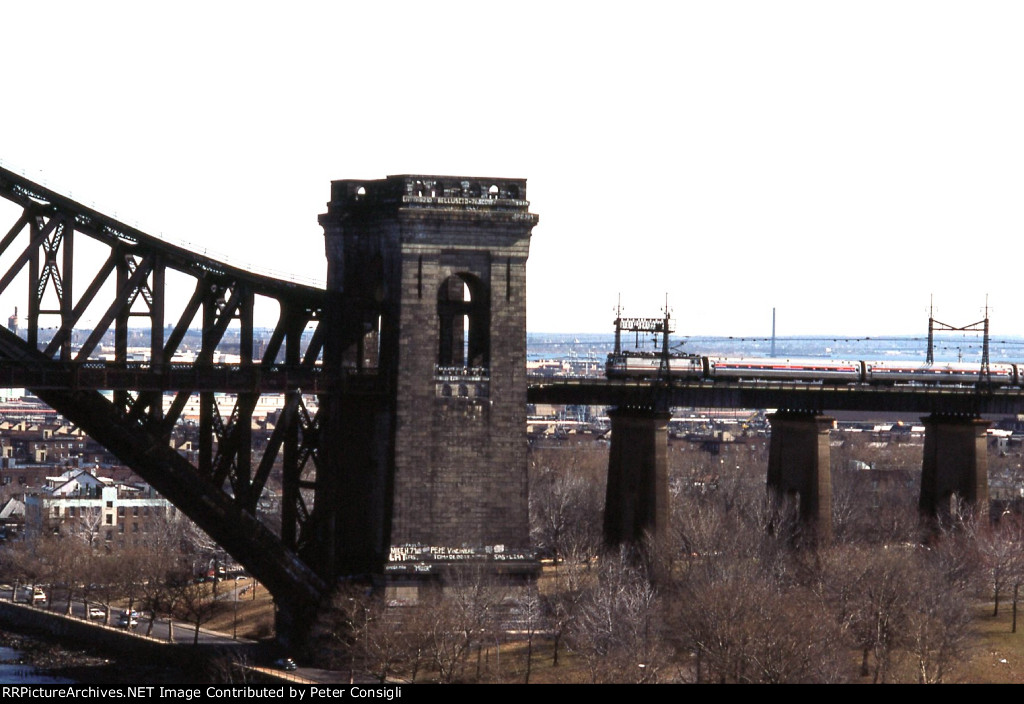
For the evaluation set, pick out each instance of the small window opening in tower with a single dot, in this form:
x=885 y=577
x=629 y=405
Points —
x=462 y=323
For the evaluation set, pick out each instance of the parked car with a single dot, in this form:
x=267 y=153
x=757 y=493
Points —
x=38 y=596
x=128 y=619
x=97 y=612
x=286 y=664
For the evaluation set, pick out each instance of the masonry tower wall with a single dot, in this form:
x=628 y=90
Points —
x=428 y=275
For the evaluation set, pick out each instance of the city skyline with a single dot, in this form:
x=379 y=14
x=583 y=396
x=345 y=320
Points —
x=839 y=163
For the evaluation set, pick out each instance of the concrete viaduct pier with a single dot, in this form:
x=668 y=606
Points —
x=637 y=508
x=636 y=501
x=955 y=462
x=799 y=466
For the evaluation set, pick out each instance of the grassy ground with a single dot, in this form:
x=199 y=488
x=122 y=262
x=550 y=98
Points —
x=997 y=657
x=255 y=616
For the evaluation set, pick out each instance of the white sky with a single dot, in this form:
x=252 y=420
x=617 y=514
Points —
x=840 y=161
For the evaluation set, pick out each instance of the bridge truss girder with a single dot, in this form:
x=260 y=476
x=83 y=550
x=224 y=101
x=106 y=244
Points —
x=222 y=490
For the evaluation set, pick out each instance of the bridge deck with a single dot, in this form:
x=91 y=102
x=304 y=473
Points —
x=782 y=395
x=226 y=378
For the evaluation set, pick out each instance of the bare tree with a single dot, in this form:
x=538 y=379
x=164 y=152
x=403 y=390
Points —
x=530 y=609
x=27 y=564
x=478 y=603
x=417 y=626
x=567 y=501
x=360 y=631
x=448 y=645
x=617 y=628
x=746 y=626
x=561 y=604
x=938 y=625
x=163 y=564
x=189 y=600
x=1001 y=551
x=381 y=639
x=880 y=622
x=59 y=562
x=851 y=504
x=88 y=527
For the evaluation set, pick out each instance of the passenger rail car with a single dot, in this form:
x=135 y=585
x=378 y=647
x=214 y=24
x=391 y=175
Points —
x=940 y=373
x=648 y=366
x=812 y=370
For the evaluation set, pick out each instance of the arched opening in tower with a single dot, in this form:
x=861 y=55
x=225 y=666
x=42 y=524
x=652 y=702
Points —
x=462 y=310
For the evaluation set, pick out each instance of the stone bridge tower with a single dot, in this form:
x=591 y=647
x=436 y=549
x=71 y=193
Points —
x=427 y=278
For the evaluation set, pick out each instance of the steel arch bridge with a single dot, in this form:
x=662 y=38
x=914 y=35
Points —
x=220 y=491
x=121 y=290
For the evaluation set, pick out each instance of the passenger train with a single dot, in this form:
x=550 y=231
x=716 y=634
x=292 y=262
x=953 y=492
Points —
x=832 y=371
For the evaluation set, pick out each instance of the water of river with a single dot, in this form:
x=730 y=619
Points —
x=14 y=671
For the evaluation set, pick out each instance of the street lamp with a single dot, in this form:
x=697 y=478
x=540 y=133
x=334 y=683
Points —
x=234 y=627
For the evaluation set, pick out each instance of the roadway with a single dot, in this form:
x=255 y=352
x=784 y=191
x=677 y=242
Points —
x=177 y=632
x=163 y=629
x=167 y=630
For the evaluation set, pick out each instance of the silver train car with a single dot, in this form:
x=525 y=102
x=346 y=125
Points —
x=813 y=370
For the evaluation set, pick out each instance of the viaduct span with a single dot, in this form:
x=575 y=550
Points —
x=955 y=453
x=414 y=458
